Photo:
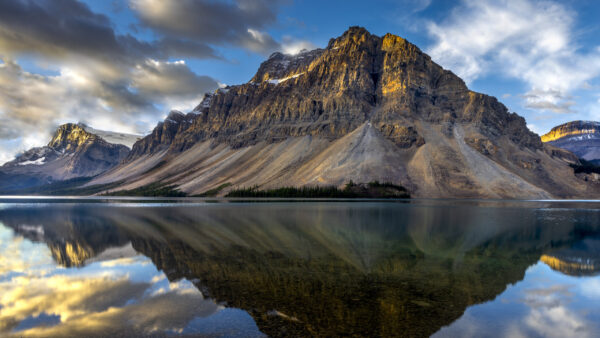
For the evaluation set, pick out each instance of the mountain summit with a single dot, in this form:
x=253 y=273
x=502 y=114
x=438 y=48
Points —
x=580 y=137
x=72 y=152
x=364 y=108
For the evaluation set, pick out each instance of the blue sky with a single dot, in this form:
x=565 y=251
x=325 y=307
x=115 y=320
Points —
x=124 y=64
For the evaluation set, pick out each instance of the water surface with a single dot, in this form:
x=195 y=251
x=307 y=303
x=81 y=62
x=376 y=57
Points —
x=154 y=267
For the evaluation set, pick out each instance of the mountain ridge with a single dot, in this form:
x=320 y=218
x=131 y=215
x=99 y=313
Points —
x=580 y=137
x=365 y=108
x=71 y=153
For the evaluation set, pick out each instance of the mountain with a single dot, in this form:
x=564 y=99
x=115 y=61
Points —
x=582 y=138
x=73 y=152
x=364 y=108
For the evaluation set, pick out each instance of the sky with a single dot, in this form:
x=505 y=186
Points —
x=122 y=65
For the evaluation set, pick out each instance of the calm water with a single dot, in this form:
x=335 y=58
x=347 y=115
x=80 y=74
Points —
x=163 y=268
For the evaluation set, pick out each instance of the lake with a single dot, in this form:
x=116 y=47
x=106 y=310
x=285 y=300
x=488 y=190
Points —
x=161 y=267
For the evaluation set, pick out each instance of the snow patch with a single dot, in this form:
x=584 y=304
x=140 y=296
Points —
x=111 y=136
x=39 y=161
x=278 y=81
x=584 y=137
x=206 y=102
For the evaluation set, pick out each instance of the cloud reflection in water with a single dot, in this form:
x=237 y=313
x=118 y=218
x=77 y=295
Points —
x=115 y=296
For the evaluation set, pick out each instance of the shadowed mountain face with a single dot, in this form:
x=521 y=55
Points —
x=582 y=138
x=73 y=152
x=327 y=269
x=364 y=108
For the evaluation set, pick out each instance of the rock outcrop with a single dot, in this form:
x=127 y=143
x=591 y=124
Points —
x=582 y=138
x=73 y=152
x=364 y=108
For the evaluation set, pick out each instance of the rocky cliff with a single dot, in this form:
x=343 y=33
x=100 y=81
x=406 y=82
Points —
x=580 y=137
x=363 y=108
x=72 y=152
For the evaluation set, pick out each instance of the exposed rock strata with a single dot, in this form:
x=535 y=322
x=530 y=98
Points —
x=364 y=108
x=580 y=137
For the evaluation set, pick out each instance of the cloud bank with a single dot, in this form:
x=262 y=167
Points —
x=532 y=41
x=90 y=71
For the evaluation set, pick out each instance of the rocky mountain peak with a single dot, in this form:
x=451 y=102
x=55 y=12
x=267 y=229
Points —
x=364 y=108
x=72 y=152
x=582 y=138
x=204 y=105
x=175 y=116
x=282 y=66
x=68 y=137
x=359 y=77
x=354 y=34
x=585 y=129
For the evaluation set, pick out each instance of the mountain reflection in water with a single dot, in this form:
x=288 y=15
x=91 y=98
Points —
x=299 y=269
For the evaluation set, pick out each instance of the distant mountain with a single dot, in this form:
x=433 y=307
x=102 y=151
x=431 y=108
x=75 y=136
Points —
x=364 y=108
x=582 y=138
x=73 y=152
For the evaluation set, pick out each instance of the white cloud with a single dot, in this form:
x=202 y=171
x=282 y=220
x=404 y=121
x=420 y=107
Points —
x=238 y=23
x=552 y=100
x=556 y=321
x=292 y=46
x=535 y=129
x=33 y=104
x=533 y=41
x=419 y=5
x=590 y=288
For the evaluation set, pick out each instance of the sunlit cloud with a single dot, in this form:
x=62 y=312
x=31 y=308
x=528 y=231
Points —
x=105 y=78
x=292 y=46
x=33 y=105
x=237 y=23
x=529 y=40
x=101 y=297
x=543 y=304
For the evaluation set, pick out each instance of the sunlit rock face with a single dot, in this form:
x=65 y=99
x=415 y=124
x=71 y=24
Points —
x=580 y=137
x=583 y=259
x=72 y=152
x=329 y=92
x=364 y=108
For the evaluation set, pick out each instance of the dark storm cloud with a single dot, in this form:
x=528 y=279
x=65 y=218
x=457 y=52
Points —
x=170 y=78
x=236 y=23
x=62 y=27
x=185 y=48
x=111 y=79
